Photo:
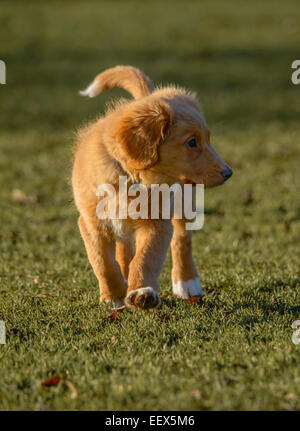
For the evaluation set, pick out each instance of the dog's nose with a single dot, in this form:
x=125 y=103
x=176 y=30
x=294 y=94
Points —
x=226 y=173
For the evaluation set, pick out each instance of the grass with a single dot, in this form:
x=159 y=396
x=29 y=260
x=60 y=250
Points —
x=233 y=352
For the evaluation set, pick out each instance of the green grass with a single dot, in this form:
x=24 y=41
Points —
x=232 y=352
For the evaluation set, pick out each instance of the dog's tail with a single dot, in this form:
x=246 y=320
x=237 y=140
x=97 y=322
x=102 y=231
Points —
x=131 y=79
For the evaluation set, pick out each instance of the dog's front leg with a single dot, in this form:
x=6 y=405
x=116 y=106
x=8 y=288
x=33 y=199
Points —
x=100 y=248
x=152 y=241
x=124 y=255
x=185 y=279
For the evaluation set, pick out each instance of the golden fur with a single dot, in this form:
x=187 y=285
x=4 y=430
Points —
x=145 y=140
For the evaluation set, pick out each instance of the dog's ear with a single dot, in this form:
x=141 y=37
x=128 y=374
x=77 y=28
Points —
x=139 y=132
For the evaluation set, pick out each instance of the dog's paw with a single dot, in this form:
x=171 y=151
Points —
x=113 y=303
x=145 y=297
x=186 y=289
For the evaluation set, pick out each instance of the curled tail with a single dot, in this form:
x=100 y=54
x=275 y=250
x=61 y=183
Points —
x=131 y=79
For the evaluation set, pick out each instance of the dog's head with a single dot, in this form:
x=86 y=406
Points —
x=164 y=137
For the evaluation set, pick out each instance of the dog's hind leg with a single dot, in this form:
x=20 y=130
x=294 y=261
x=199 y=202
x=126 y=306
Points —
x=185 y=279
x=124 y=255
x=100 y=248
x=152 y=241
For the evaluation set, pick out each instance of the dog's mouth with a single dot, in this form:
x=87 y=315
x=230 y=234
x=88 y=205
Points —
x=207 y=181
x=187 y=181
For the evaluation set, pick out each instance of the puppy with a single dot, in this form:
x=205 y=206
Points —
x=159 y=137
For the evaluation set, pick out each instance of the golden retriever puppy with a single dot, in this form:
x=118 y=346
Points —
x=159 y=137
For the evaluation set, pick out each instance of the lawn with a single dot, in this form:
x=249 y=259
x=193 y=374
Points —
x=234 y=350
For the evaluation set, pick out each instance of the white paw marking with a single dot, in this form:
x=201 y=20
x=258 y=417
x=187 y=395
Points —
x=92 y=90
x=118 y=303
x=186 y=289
x=143 y=290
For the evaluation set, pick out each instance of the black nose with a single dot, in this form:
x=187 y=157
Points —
x=226 y=173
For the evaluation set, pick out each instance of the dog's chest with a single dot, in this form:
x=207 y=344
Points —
x=120 y=229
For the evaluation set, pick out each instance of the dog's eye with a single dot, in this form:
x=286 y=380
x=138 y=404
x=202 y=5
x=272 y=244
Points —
x=192 y=143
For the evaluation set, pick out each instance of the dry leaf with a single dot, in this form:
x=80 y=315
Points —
x=197 y=394
x=74 y=393
x=84 y=324
x=193 y=300
x=114 y=312
x=43 y=295
x=52 y=381
x=289 y=396
x=111 y=316
x=248 y=197
x=21 y=198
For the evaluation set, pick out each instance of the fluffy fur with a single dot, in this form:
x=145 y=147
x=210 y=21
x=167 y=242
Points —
x=144 y=139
